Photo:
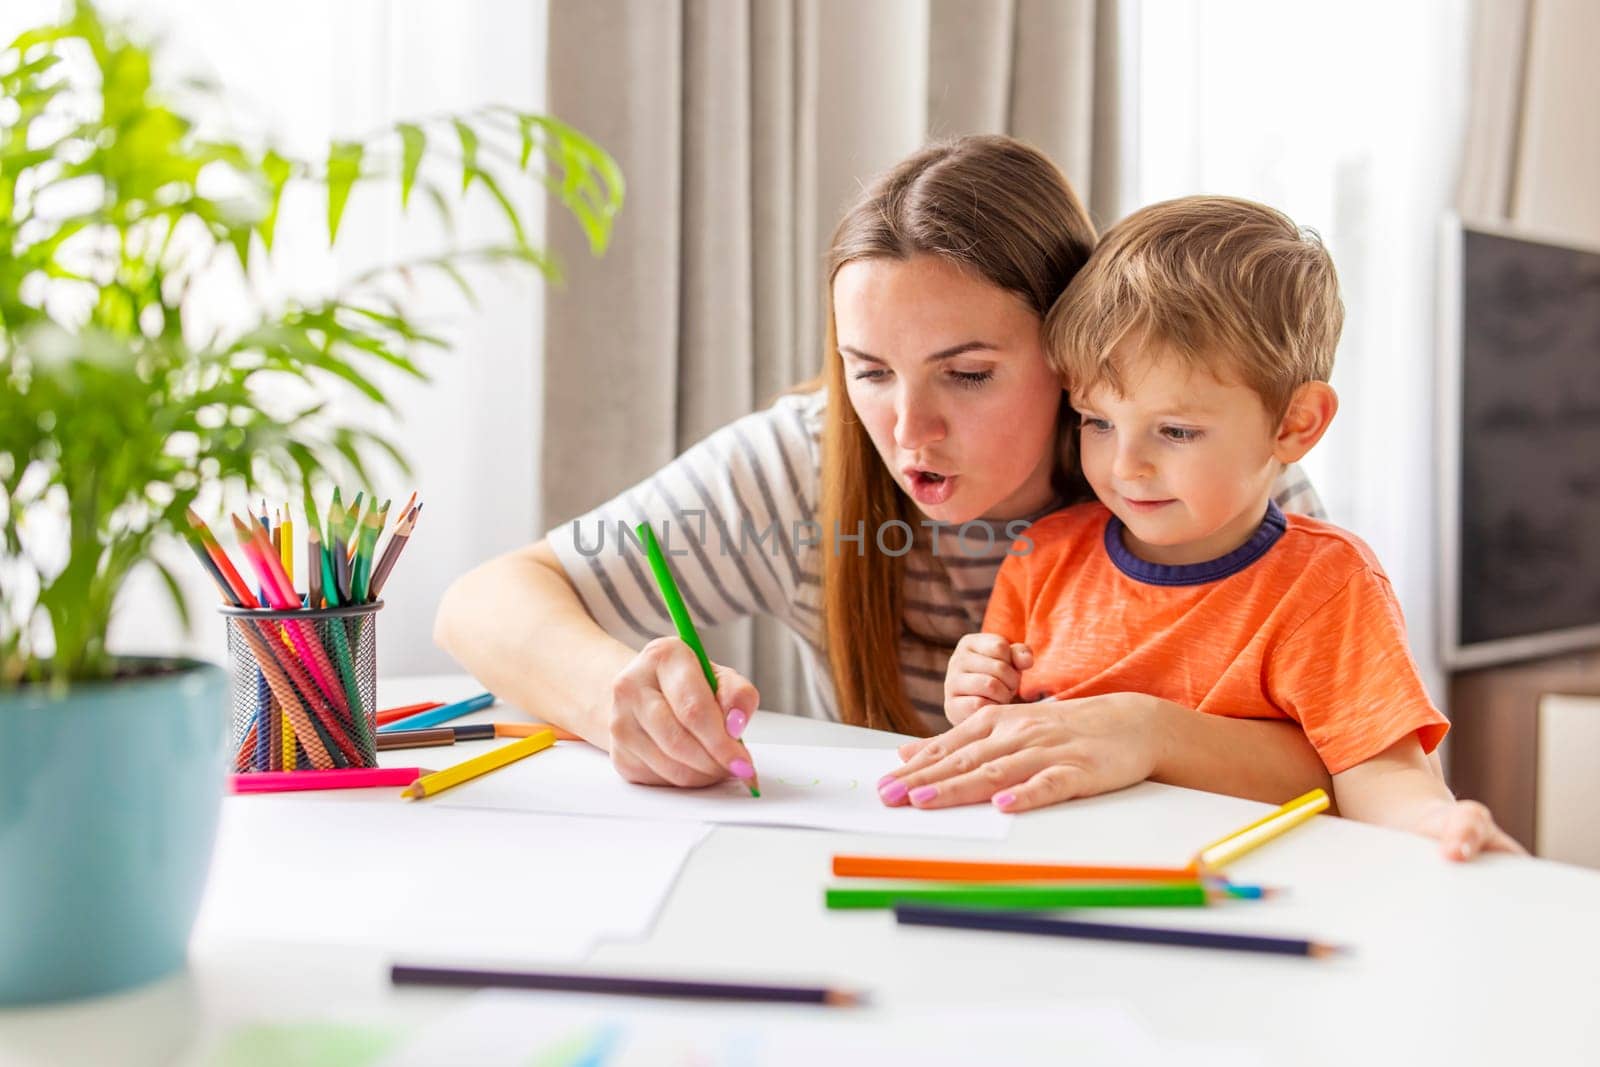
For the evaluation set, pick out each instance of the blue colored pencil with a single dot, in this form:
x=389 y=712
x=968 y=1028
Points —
x=439 y=715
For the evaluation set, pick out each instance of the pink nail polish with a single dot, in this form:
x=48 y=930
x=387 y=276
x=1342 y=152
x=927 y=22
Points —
x=738 y=719
x=885 y=780
x=741 y=769
x=1004 y=800
x=893 y=793
x=924 y=793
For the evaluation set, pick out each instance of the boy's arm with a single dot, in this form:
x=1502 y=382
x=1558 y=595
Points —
x=1259 y=759
x=1400 y=787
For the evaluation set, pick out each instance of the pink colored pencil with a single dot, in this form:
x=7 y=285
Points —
x=338 y=778
x=263 y=558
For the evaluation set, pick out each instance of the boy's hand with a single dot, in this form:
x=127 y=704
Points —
x=1401 y=787
x=1465 y=828
x=984 y=669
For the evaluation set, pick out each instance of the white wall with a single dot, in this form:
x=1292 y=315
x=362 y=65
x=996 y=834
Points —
x=307 y=71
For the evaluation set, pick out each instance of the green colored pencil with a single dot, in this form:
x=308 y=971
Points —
x=675 y=608
x=680 y=614
x=1029 y=897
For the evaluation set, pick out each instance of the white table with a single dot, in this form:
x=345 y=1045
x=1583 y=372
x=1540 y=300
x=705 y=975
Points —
x=1491 y=962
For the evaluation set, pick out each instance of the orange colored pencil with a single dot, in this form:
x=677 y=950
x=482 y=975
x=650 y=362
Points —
x=988 y=871
x=214 y=549
x=528 y=729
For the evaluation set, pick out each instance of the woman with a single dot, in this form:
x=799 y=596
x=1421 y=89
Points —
x=868 y=511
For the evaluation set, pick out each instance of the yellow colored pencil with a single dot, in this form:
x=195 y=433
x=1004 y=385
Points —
x=286 y=549
x=1225 y=850
x=492 y=760
x=288 y=742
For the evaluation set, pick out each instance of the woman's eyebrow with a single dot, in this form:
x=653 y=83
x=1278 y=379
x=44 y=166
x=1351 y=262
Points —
x=943 y=353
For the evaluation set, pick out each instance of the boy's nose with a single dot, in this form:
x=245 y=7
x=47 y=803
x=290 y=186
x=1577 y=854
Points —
x=1130 y=464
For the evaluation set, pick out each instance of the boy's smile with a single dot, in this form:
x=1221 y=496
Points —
x=1184 y=459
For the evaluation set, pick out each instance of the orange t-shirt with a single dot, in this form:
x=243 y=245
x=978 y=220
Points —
x=1299 y=623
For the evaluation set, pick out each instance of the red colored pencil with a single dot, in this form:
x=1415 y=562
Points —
x=389 y=715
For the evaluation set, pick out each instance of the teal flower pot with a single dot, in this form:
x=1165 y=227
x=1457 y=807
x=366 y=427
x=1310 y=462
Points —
x=109 y=797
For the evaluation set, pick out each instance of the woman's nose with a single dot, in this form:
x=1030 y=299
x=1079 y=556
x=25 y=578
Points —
x=917 y=423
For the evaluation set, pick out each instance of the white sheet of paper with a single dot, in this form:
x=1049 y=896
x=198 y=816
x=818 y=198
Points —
x=499 y=1028
x=801 y=785
x=435 y=885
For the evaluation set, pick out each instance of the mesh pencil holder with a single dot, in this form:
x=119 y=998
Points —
x=304 y=687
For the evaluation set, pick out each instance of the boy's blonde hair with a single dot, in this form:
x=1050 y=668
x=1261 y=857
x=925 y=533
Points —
x=1228 y=285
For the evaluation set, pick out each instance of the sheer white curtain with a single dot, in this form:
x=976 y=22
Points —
x=1348 y=116
x=308 y=71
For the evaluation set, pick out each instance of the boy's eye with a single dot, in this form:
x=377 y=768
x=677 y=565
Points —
x=1094 y=425
x=1180 y=433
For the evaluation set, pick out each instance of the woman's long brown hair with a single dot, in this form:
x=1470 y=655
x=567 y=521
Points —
x=1001 y=210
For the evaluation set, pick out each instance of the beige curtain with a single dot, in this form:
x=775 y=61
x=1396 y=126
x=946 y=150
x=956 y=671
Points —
x=743 y=128
x=1532 y=151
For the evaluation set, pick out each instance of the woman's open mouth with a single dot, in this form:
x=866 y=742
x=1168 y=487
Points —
x=930 y=488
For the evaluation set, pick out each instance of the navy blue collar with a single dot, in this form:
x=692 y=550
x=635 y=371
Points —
x=1212 y=570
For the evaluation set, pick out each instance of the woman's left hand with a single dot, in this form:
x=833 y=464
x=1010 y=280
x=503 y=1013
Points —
x=1022 y=756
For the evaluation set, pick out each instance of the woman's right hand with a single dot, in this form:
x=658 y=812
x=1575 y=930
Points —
x=668 y=728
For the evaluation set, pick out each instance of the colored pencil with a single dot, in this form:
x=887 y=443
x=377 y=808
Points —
x=478 y=731
x=367 y=545
x=345 y=778
x=680 y=617
x=330 y=583
x=440 y=715
x=257 y=547
x=275 y=735
x=313 y=567
x=438 y=735
x=391 y=551
x=210 y=566
x=352 y=524
x=1011 y=922
x=401 y=974
x=1225 y=850
x=286 y=553
x=388 y=715
x=478 y=766
x=988 y=871
x=528 y=729
x=1028 y=897
x=241 y=590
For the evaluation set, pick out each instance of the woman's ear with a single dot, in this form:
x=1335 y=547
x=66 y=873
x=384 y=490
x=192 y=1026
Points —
x=1311 y=410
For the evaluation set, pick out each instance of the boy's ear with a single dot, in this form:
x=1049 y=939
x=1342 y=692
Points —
x=1311 y=410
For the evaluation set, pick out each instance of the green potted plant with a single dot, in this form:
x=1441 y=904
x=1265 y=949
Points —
x=114 y=415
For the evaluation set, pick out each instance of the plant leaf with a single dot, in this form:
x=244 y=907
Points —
x=344 y=167
x=277 y=170
x=413 y=142
x=469 y=152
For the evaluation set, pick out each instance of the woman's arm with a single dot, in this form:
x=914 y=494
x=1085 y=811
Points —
x=1024 y=756
x=518 y=625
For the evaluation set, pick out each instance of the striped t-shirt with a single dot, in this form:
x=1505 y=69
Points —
x=737 y=515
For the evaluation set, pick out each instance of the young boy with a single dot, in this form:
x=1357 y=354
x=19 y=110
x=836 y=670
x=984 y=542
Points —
x=1197 y=344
